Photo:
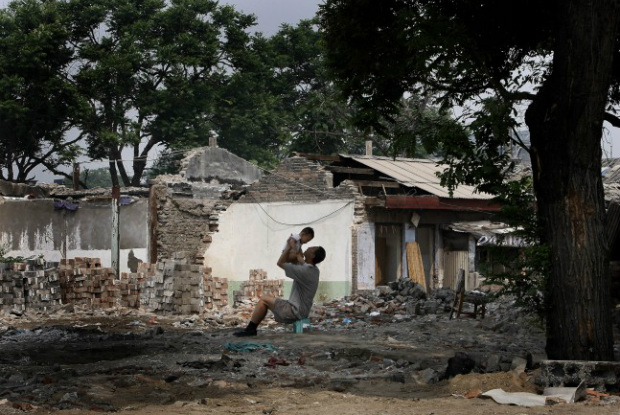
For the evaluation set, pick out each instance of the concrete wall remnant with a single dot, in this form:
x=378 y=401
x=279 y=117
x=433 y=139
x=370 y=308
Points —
x=75 y=228
x=217 y=165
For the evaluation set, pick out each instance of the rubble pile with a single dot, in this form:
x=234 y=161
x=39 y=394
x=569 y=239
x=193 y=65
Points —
x=356 y=341
x=399 y=301
x=384 y=335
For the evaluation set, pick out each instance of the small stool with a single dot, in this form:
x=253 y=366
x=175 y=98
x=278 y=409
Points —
x=298 y=326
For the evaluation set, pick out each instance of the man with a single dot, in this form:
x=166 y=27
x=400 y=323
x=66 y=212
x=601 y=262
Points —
x=305 y=276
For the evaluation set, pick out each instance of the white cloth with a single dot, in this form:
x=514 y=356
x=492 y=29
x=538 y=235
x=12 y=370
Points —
x=297 y=239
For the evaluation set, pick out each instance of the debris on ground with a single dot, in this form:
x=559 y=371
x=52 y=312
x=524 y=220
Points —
x=388 y=342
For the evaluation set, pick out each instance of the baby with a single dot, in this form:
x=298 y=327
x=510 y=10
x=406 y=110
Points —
x=295 y=241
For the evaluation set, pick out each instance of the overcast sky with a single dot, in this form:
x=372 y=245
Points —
x=272 y=13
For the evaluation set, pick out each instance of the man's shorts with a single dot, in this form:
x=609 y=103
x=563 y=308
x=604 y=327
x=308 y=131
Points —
x=283 y=312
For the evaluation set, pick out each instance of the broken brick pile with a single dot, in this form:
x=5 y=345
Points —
x=215 y=290
x=257 y=286
x=169 y=287
x=29 y=285
x=85 y=282
x=130 y=284
x=180 y=287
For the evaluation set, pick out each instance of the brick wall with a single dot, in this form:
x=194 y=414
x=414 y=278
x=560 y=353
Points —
x=183 y=223
x=296 y=179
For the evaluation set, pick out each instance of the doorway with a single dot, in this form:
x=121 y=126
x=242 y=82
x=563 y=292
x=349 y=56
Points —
x=388 y=253
x=425 y=237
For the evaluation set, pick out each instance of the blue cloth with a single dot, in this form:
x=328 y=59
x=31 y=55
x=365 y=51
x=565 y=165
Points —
x=62 y=204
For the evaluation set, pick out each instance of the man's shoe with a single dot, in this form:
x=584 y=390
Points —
x=244 y=333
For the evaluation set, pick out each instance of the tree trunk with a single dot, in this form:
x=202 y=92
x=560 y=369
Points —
x=113 y=172
x=139 y=164
x=565 y=121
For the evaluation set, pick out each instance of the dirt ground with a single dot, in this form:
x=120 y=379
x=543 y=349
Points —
x=381 y=401
x=132 y=363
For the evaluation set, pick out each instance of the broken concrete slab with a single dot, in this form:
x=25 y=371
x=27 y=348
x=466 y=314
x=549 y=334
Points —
x=602 y=375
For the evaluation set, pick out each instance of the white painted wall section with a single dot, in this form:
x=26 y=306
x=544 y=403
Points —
x=252 y=235
x=366 y=256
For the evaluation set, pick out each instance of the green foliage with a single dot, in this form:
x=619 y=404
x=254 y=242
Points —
x=151 y=71
x=284 y=101
x=524 y=272
x=448 y=52
x=418 y=130
x=4 y=259
x=37 y=103
x=476 y=156
x=132 y=75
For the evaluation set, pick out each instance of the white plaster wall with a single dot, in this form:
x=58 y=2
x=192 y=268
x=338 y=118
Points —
x=252 y=235
x=366 y=256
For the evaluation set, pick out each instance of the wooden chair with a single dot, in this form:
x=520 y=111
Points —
x=462 y=297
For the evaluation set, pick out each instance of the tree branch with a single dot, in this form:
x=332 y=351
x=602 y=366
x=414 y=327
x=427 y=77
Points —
x=52 y=169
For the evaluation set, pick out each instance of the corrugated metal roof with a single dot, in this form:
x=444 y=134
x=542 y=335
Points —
x=490 y=233
x=420 y=173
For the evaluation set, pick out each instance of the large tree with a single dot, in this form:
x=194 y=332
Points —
x=151 y=71
x=37 y=102
x=557 y=59
x=282 y=100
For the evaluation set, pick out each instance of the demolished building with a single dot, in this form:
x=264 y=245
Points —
x=222 y=219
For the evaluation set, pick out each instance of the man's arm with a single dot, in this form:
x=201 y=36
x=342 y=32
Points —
x=284 y=257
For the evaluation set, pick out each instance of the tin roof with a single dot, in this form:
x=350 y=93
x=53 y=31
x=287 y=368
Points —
x=420 y=173
x=490 y=233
